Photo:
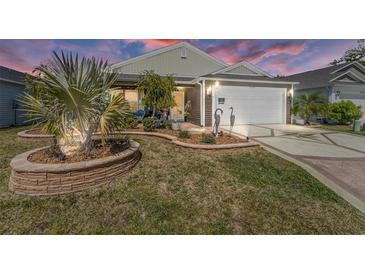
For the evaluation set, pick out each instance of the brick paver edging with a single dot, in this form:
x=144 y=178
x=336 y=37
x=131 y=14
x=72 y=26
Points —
x=175 y=141
x=37 y=179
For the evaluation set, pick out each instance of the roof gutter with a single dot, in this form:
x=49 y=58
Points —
x=246 y=81
x=11 y=81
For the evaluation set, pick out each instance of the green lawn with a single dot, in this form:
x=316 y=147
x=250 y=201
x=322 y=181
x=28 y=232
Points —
x=342 y=128
x=174 y=190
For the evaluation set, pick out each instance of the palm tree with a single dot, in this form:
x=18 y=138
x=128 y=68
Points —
x=71 y=95
x=308 y=104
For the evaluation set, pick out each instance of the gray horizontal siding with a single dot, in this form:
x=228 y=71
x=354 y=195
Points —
x=170 y=62
x=241 y=70
x=8 y=93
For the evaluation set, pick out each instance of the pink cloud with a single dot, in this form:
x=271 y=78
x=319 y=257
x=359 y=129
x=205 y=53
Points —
x=250 y=50
x=230 y=53
x=277 y=49
x=15 y=58
x=151 y=44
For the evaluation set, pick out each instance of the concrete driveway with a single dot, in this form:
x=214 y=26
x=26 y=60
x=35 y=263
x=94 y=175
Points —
x=337 y=159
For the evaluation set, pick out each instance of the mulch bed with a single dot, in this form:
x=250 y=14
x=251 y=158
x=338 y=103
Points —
x=196 y=138
x=50 y=156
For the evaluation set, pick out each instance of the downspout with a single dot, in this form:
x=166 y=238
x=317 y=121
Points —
x=203 y=103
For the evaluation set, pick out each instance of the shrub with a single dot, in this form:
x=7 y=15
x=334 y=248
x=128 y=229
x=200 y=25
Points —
x=344 y=112
x=184 y=134
x=208 y=138
x=118 y=143
x=149 y=123
x=132 y=122
x=168 y=124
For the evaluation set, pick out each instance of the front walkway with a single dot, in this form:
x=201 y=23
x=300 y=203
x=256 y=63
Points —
x=337 y=158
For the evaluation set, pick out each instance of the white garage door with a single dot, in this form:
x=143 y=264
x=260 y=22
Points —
x=251 y=105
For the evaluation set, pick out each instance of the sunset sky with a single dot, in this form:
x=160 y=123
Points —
x=282 y=57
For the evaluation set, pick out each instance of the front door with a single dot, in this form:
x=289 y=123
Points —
x=177 y=112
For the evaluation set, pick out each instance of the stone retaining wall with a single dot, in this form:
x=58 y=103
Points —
x=38 y=179
x=25 y=135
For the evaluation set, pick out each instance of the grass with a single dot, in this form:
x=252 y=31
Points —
x=342 y=128
x=174 y=190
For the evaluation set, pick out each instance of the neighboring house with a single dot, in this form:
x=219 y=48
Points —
x=335 y=83
x=256 y=97
x=11 y=86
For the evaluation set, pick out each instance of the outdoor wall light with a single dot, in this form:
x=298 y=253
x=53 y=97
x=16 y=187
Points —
x=290 y=96
x=209 y=90
x=216 y=83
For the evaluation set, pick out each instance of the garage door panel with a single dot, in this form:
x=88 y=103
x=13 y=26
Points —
x=252 y=105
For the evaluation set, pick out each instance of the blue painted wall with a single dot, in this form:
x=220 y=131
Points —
x=8 y=93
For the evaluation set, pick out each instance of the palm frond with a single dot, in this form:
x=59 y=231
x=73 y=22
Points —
x=114 y=117
x=74 y=90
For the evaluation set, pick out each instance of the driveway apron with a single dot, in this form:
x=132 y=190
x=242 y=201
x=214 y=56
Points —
x=338 y=158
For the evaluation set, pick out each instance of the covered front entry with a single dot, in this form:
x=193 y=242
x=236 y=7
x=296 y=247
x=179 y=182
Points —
x=251 y=105
x=134 y=99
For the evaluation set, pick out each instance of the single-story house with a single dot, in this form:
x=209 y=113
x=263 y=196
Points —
x=11 y=87
x=335 y=83
x=208 y=83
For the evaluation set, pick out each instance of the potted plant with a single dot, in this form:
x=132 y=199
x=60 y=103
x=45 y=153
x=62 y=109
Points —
x=175 y=124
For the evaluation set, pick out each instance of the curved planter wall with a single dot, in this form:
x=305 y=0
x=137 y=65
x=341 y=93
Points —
x=38 y=179
x=175 y=141
x=27 y=135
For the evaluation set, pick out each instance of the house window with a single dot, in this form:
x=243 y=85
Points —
x=131 y=96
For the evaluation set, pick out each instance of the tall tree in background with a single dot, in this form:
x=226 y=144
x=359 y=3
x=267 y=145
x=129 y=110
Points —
x=356 y=53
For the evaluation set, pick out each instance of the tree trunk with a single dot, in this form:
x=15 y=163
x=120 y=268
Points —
x=87 y=144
